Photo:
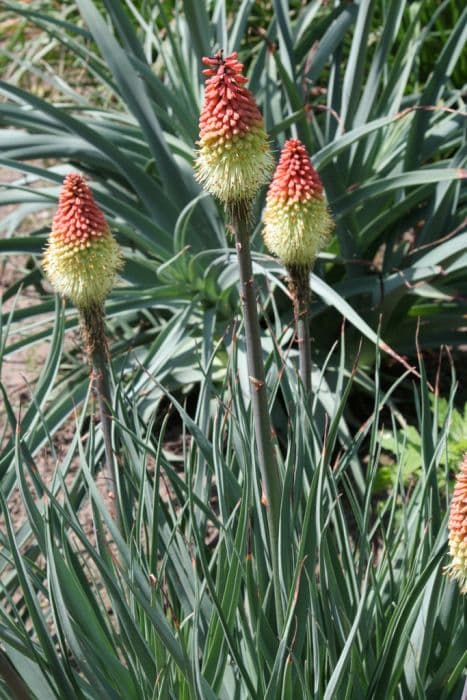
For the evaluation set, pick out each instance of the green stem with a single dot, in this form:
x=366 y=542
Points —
x=239 y=217
x=300 y=290
x=93 y=329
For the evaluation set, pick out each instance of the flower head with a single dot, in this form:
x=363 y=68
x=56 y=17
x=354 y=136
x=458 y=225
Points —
x=234 y=158
x=458 y=529
x=297 y=221
x=82 y=257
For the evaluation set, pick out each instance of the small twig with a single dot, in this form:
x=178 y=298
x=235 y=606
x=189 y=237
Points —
x=437 y=242
x=309 y=108
x=429 y=108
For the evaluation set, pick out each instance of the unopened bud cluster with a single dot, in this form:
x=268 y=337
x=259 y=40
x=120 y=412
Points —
x=297 y=222
x=82 y=257
x=234 y=159
x=457 y=568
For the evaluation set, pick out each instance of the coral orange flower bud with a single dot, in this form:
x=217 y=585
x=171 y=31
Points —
x=234 y=158
x=82 y=257
x=297 y=221
x=458 y=530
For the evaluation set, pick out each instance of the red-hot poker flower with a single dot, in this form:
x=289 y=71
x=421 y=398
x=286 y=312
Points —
x=82 y=257
x=297 y=221
x=458 y=529
x=234 y=158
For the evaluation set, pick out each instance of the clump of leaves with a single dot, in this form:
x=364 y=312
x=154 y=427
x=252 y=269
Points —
x=405 y=446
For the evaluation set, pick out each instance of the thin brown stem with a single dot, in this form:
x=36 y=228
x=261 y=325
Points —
x=267 y=459
x=299 y=286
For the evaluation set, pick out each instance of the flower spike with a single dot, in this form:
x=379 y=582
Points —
x=232 y=163
x=458 y=530
x=234 y=159
x=297 y=224
x=81 y=261
x=297 y=221
x=82 y=257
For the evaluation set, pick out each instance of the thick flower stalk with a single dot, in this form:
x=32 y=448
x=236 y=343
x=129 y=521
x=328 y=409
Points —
x=81 y=261
x=457 y=568
x=297 y=224
x=234 y=159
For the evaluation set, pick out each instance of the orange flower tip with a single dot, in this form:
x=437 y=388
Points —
x=297 y=221
x=457 y=526
x=82 y=257
x=234 y=158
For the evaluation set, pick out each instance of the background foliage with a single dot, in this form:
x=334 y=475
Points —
x=181 y=605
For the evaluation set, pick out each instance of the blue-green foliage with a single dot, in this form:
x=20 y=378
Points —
x=180 y=604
